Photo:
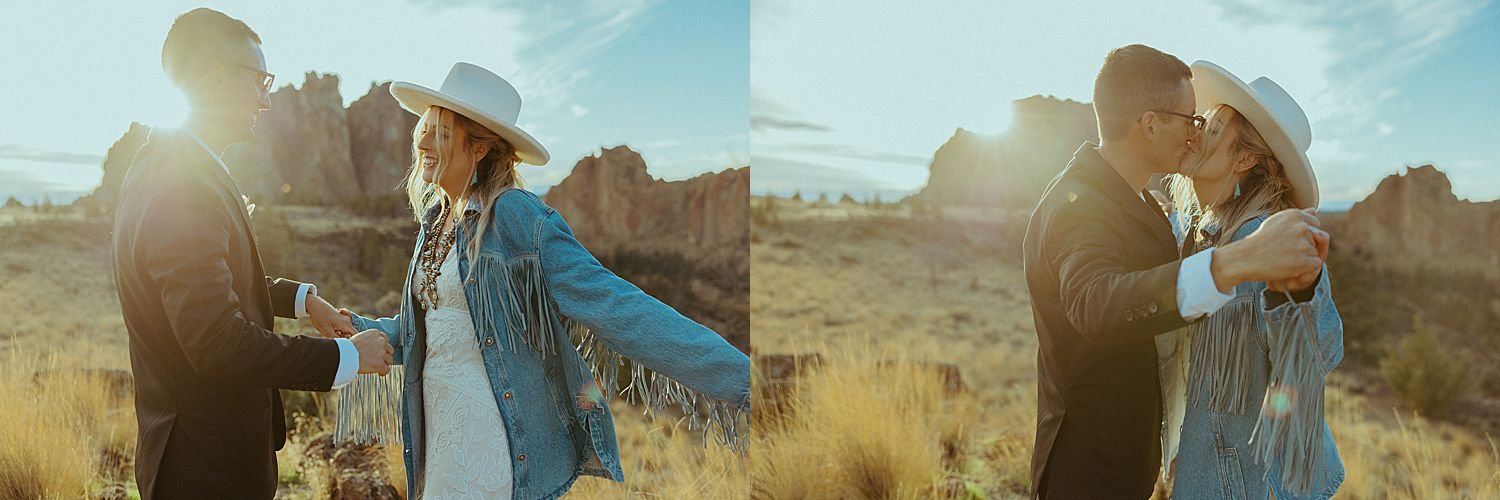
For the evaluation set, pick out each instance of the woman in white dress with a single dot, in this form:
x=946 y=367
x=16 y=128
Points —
x=509 y=328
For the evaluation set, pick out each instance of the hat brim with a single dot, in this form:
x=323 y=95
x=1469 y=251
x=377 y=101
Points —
x=1213 y=85
x=416 y=99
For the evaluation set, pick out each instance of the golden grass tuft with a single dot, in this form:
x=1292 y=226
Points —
x=862 y=429
x=61 y=434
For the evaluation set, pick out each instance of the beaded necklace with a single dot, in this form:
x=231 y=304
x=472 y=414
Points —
x=434 y=251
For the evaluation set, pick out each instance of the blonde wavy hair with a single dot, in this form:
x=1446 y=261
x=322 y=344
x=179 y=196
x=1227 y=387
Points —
x=1263 y=189
x=493 y=173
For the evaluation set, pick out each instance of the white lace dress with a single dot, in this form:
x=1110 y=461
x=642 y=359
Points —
x=468 y=453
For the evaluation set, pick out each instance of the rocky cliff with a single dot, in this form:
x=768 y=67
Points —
x=300 y=149
x=1414 y=222
x=684 y=242
x=380 y=141
x=116 y=162
x=611 y=200
x=307 y=149
x=1011 y=169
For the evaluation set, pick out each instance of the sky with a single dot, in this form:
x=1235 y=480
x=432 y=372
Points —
x=667 y=78
x=856 y=96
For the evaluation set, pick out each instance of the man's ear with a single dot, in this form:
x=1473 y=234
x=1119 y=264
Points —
x=1148 y=124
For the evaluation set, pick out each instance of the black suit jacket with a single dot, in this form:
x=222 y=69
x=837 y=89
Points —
x=1101 y=266
x=199 y=310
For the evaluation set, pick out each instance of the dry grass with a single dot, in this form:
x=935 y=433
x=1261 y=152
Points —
x=859 y=285
x=61 y=434
x=663 y=459
x=1414 y=458
x=854 y=428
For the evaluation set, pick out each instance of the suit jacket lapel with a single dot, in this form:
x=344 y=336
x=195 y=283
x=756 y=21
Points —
x=1099 y=173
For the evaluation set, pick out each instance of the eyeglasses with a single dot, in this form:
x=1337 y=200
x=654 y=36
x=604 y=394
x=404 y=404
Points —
x=1198 y=120
x=266 y=79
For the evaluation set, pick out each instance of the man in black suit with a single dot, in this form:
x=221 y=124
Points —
x=1105 y=277
x=197 y=304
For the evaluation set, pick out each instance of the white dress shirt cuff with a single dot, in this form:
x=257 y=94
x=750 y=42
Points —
x=348 y=363
x=1196 y=293
x=299 y=308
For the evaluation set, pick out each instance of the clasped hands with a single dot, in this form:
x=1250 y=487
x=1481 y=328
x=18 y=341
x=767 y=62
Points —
x=1287 y=252
x=375 y=352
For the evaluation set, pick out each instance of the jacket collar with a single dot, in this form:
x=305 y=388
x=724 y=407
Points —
x=471 y=208
x=1093 y=168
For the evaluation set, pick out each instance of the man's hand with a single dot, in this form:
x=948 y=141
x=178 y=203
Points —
x=327 y=319
x=1304 y=281
x=374 y=352
x=1289 y=246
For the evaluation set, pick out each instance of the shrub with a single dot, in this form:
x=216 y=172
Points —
x=1425 y=374
x=765 y=212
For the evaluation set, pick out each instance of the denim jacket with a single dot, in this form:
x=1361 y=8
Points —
x=1216 y=458
x=547 y=317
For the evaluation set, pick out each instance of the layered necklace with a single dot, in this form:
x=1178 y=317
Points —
x=430 y=260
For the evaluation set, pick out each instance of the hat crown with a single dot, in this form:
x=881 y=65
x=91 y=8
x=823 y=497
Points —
x=1285 y=110
x=481 y=89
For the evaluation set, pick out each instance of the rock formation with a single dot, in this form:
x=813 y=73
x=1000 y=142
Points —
x=1414 y=222
x=380 y=141
x=684 y=242
x=307 y=149
x=1009 y=170
x=610 y=199
x=116 y=162
x=301 y=147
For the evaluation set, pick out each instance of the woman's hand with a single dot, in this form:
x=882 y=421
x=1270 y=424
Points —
x=331 y=322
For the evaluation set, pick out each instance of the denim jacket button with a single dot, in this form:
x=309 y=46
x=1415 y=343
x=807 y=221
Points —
x=521 y=457
x=489 y=341
x=506 y=395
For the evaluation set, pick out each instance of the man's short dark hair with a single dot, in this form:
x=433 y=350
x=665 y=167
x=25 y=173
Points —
x=1136 y=79
x=195 y=40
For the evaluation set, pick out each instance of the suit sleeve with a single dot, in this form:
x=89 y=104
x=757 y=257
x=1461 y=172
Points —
x=283 y=296
x=1106 y=301
x=186 y=249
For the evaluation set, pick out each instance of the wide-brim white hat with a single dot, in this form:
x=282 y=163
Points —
x=481 y=96
x=1273 y=113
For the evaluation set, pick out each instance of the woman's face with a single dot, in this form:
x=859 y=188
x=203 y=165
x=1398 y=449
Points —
x=1215 y=164
x=459 y=162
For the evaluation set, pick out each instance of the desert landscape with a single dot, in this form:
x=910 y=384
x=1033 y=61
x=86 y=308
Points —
x=69 y=425
x=895 y=350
